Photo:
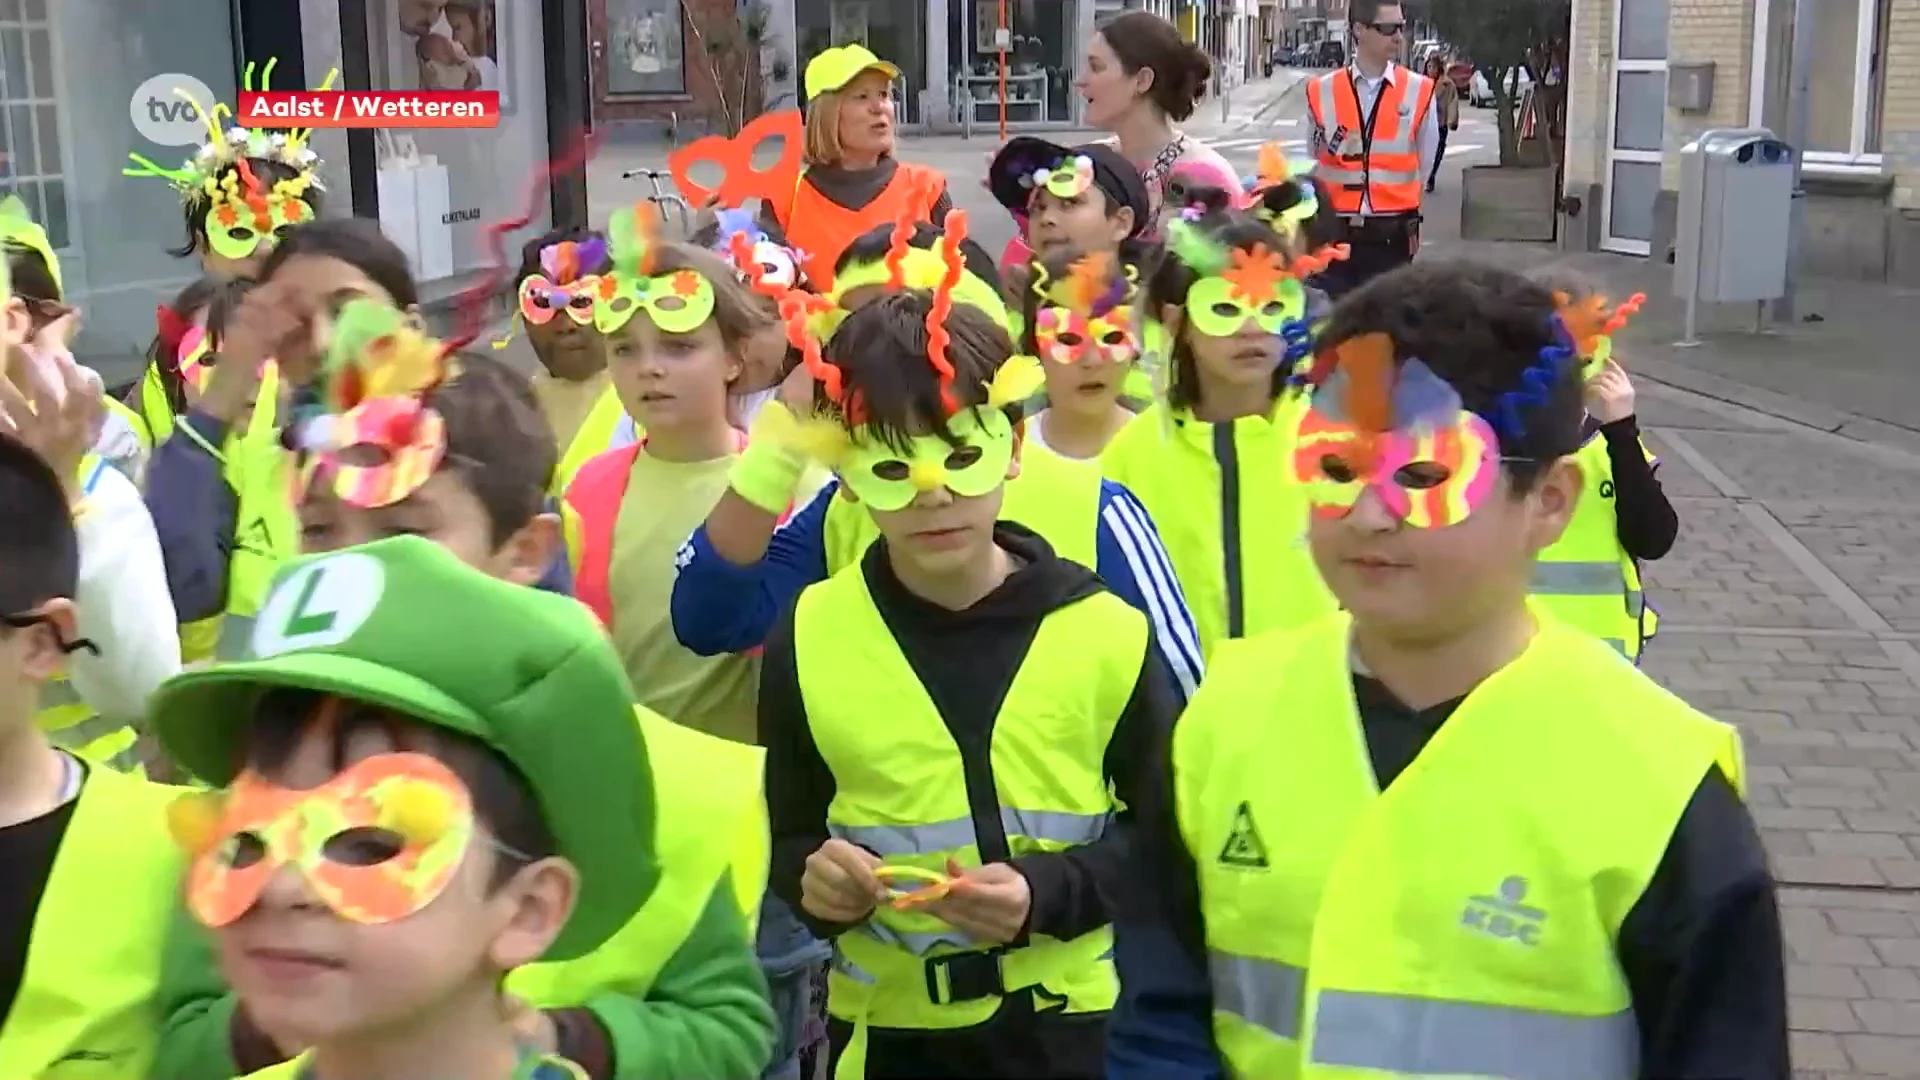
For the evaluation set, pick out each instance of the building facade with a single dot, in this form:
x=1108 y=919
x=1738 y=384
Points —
x=70 y=72
x=1862 y=158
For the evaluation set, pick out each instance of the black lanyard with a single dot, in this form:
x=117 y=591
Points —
x=1366 y=122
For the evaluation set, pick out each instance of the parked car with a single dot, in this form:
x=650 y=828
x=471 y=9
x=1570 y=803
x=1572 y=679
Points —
x=1481 y=95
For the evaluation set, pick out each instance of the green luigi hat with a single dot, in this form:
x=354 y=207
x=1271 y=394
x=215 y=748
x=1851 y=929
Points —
x=403 y=624
x=834 y=68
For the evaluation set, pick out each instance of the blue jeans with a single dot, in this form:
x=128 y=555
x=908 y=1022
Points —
x=790 y=957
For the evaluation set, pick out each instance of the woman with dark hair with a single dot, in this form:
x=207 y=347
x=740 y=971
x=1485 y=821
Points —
x=1446 y=104
x=1141 y=79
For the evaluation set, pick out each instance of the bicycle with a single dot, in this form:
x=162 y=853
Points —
x=673 y=206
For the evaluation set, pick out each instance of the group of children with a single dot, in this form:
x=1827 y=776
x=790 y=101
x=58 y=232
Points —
x=929 y=635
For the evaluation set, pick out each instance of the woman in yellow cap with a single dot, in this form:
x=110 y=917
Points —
x=852 y=182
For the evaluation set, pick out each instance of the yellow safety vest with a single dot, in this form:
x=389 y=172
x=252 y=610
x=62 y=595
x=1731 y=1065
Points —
x=1053 y=496
x=87 y=1006
x=1231 y=514
x=266 y=528
x=712 y=819
x=1461 y=923
x=69 y=721
x=899 y=792
x=1585 y=578
x=598 y=433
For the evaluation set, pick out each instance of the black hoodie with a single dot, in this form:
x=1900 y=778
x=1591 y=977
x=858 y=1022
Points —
x=967 y=660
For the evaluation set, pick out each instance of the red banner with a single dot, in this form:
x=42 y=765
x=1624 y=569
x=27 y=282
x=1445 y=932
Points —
x=393 y=109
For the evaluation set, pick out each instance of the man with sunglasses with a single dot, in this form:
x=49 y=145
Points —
x=1375 y=141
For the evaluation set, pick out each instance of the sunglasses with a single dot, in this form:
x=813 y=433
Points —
x=1390 y=29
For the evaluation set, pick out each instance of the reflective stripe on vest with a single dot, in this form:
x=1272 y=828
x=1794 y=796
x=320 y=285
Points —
x=899 y=791
x=1426 y=1038
x=86 y=1001
x=71 y=724
x=1586 y=579
x=1055 y=497
x=1483 y=851
x=1386 y=169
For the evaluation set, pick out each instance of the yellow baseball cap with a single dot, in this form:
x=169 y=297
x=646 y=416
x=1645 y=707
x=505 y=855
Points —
x=835 y=68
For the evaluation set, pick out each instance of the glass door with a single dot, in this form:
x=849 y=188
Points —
x=1639 y=125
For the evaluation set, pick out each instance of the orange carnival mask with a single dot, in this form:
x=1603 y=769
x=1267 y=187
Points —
x=1402 y=435
x=1085 y=315
x=377 y=843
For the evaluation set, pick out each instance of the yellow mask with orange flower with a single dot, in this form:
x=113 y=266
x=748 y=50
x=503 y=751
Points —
x=1086 y=315
x=678 y=302
x=377 y=843
x=241 y=210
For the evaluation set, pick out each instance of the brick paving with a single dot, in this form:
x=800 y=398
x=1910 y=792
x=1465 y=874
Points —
x=1791 y=607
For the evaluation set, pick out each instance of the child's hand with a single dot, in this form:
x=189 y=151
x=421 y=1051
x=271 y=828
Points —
x=1609 y=395
x=989 y=902
x=272 y=322
x=532 y=1026
x=839 y=884
x=58 y=420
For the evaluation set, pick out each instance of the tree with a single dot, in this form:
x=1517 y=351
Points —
x=1505 y=36
x=743 y=57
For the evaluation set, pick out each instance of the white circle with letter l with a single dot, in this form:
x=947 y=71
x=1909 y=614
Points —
x=320 y=604
x=166 y=110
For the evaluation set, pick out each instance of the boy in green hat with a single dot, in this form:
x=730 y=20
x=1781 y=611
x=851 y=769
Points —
x=399 y=826
x=676 y=992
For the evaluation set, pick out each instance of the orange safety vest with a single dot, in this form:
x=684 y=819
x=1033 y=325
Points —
x=822 y=228
x=1384 y=169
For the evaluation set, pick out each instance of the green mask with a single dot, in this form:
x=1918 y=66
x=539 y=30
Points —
x=678 y=303
x=1257 y=286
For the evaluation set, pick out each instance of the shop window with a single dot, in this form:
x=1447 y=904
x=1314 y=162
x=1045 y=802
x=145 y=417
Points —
x=1040 y=65
x=1844 y=104
x=31 y=161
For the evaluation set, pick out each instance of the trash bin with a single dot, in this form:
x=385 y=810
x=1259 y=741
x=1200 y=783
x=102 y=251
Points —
x=1734 y=217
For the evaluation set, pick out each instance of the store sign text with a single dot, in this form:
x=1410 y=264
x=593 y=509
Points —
x=370 y=108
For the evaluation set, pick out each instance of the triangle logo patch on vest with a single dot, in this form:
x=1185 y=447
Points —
x=254 y=538
x=1244 y=848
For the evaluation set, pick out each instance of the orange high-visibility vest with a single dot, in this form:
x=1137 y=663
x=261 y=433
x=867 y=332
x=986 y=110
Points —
x=821 y=228
x=1383 y=170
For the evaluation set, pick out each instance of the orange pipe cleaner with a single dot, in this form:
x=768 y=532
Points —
x=1368 y=363
x=741 y=250
x=937 y=337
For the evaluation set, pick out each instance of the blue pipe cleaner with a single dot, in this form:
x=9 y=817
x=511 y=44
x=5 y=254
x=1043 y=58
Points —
x=1510 y=413
x=1299 y=338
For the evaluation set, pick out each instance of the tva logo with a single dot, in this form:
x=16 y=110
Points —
x=166 y=110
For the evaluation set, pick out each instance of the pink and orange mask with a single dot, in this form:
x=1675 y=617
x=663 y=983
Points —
x=377 y=843
x=1398 y=431
x=1086 y=316
x=565 y=282
x=379 y=441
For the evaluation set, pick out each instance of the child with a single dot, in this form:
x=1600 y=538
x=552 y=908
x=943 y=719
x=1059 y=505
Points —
x=961 y=888
x=1590 y=577
x=1087 y=200
x=45 y=324
x=738 y=572
x=242 y=190
x=677 y=991
x=1442 y=770
x=1084 y=198
x=55 y=404
x=1213 y=463
x=1082 y=325
x=224 y=518
x=558 y=273
x=501 y=768
x=89 y=874
x=675 y=369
